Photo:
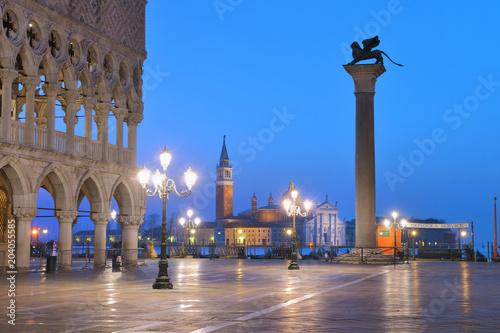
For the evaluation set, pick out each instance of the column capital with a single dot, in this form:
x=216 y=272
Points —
x=120 y=113
x=89 y=102
x=134 y=118
x=103 y=108
x=100 y=218
x=41 y=121
x=130 y=222
x=51 y=89
x=30 y=82
x=65 y=216
x=70 y=96
x=8 y=75
x=365 y=76
x=24 y=213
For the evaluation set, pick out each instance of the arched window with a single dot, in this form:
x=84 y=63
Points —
x=3 y=215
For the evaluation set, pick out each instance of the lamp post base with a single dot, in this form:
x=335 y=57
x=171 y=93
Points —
x=163 y=280
x=294 y=265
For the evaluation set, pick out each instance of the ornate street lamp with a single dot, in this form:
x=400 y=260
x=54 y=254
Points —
x=293 y=210
x=393 y=225
x=163 y=186
x=189 y=225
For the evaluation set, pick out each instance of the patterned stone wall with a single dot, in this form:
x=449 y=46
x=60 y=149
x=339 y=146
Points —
x=122 y=20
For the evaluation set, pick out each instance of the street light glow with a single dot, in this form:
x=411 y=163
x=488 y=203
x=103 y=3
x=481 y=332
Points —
x=190 y=177
x=165 y=158
x=394 y=214
x=295 y=194
x=157 y=178
x=287 y=203
x=387 y=223
x=182 y=221
x=307 y=205
x=190 y=213
x=143 y=176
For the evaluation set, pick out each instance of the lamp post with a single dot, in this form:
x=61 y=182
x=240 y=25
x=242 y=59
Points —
x=293 y=210
x=189 y=225
x=413 y=233
x=163 y=186
x=36 y=232
x=393 y=225
x=461 y=233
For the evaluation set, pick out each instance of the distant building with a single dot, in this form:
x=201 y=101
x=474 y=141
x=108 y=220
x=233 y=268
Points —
x=326 y=228
x=264 y=225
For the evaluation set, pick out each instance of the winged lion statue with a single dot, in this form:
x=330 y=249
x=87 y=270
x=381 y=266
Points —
x=366 y=52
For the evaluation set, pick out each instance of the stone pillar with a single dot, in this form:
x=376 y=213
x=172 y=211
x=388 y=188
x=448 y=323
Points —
x=132 y=120
x=130 y=225
x=70 y=96
x=100 y=221
x=7 y=76
x=23 y=217
x=88 y=104
x=365 y=77
x=66 y=219
x=29 y=83
x=51 y=90
x=101 y=119
x=120 y=114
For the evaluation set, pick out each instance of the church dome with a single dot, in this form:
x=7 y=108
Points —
x=288 y=195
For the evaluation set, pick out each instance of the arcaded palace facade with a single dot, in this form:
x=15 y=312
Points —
x=79 y=61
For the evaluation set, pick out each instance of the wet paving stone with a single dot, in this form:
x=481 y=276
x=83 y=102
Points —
x=260 y=296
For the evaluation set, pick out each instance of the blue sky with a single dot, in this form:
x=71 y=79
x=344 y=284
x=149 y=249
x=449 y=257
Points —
x=226 y=67
x=268 y=74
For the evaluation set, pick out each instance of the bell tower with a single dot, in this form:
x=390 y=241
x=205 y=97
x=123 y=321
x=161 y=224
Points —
x=224 y=185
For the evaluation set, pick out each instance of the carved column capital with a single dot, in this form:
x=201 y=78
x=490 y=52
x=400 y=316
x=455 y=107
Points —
x=66 y=216
x=120 y=113
x=89 y=102
x=8 y=75
x=41 y=121
x=130 y=222
x=134 y=118
x=30 y=82
x=103 y=108
x=71 y=96
x=100 y=218
x=24 y=213
x=51 y=89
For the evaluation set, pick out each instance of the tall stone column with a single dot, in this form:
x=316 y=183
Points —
x=100 y=221
x=23 y=217
x=88 y=104
x=365 y=77
x=66 y=219
x=70 y=96
x=130 y=225
x=51 y=90
x=101 y=119
x=120 y=114
x=132 y=120
x=7 y=76
x=29 y=83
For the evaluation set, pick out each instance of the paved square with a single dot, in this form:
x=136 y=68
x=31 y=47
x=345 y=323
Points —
x=260 y=296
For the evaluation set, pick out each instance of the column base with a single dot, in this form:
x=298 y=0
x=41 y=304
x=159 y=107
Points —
x=367 y=256
x=163 y=282
x=294 y=266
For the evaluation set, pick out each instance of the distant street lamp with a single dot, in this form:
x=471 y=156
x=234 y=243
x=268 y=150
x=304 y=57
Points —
x=413 y=234
x=189 y=225
x=163 y=186
x=36 y=232
x=393 y=225
x=293 y=210
x=461 y=233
